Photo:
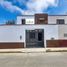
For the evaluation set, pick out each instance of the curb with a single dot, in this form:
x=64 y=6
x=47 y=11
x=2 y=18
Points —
x=33 y=50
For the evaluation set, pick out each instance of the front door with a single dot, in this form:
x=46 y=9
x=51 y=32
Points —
x=35 y=38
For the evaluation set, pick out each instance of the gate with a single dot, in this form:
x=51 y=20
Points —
x=35 y=38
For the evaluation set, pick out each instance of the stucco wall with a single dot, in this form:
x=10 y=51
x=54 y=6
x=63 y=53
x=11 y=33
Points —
x=62 y=30
x=53 y=19
x=12 y=33
x=29 y=19
x=9 y=34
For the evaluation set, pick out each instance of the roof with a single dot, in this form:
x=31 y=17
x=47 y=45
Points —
x=48 y=15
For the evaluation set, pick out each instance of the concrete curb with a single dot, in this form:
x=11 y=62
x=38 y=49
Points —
x=56 y=49
x=33 y=50
x=24 y=50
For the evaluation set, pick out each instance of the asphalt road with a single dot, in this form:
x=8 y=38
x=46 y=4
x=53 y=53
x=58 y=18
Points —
x=51 y=59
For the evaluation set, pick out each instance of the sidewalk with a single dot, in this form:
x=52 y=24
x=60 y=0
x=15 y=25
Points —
x=23 y=50
x=31 y=50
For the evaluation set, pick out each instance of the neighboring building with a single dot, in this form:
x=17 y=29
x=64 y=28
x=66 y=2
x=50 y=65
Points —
x=39 y=30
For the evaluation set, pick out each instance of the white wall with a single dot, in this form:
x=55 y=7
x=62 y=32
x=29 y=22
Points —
x=9 y=34
x=52 y=19
x=49 y=30
x=12 y=33
x=29 y=19
x=18 y=21
x=62 y=30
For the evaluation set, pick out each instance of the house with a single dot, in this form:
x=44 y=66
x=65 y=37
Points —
x=34 y=31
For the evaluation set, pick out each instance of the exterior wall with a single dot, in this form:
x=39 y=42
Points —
x=11 y=45
x=62 y=30
x=52 y=19
x=29 y=19
x=62 y=39
x=9 y=33
x=50 y=31
x=15 y=35
x=12 y=33
x=52 y=43
x=56 y=43
x=10 y=37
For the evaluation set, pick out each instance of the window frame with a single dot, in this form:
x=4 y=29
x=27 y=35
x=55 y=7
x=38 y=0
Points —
x=60 y=21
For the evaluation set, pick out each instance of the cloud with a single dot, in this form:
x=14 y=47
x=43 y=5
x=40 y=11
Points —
x=10 y=7
x=38 y=6
x=33 y=6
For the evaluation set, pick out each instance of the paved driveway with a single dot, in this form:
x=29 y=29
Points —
x=52 y=59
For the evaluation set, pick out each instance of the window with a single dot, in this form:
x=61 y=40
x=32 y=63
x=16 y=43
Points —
x=23 y=21
x=60 y=21
x=42 y=20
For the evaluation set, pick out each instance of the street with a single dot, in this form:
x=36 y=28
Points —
x=49 y=59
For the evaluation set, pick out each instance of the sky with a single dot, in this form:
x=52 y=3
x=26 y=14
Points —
x=10 y=9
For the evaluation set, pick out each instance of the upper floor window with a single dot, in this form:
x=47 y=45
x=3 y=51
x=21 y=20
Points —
x=60 y=21
x=41 y=20
x=23 y=21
